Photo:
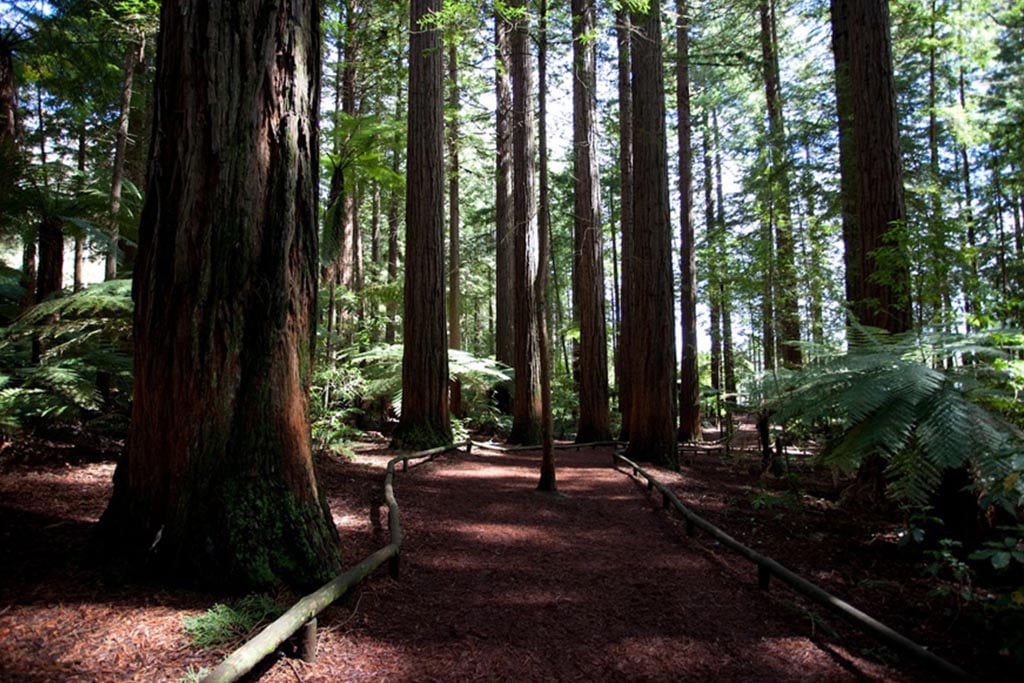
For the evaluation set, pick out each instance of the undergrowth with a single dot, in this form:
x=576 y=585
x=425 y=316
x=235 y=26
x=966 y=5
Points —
x=225 y=624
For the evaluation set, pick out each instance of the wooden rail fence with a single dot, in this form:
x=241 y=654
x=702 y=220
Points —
x=767 y=568
x=302 y=615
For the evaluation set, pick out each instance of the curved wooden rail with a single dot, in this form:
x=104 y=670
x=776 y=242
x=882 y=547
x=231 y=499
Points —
x=303 y=613
x=557 y=446
x=767 y=567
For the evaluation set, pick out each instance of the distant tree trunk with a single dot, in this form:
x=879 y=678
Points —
x=652 y=428
x=131 y=59
x=714 y=278
x=768 y=335
x=50 y=277
x=784 y=295
x=392 y=311
x=970 y=278
x=527 y=409
x=29 y=267
x=879 y=283
x=623 y=39
x=504 y=336
x=589 y=282
x=547 y=480
x=218 y=484
x=816 y=267
x=80 y=238
x=375 y=211
x=454 y=336
x=8 y=97
x=425 y=420
x=689 y=381
x=728 y=362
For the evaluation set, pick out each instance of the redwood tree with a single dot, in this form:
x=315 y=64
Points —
x=218 y=485
x=425 y=421
x=589 y=281
x=527 y=409
x=689 y=384
x=503 y=201
x=652 y=412
x=877 y=266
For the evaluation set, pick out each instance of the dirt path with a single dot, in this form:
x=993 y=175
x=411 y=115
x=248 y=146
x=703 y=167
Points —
x=502 y=583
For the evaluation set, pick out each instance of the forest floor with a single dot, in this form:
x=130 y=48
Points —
x=497 y=582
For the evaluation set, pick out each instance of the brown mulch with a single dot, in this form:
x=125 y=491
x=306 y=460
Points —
x=497 y=582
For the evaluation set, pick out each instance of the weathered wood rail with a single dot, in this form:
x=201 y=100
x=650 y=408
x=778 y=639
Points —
x=558 y=446
x=767 y=568
x=302 y=615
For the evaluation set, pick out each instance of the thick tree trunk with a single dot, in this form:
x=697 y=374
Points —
x=879 y=281
x=624 y=40
x=218 y=484
x=425 y=419
x=504 y=336
x=652 y=425
x=50 y=276
x=689 y=381
x=526 y=407
x=784 y=295
x=454 y=334
x=589 y=252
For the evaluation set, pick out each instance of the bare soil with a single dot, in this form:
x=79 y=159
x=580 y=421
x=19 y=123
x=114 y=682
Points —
x=498 y=582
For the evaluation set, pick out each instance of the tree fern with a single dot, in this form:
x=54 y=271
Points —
x=86 y=335
x=887 y=400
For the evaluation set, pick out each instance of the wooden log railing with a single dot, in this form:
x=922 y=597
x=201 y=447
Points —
x=558 y=446
x=767 y=568
x=302 y=615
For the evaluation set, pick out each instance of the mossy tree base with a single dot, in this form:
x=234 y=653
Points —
x=245 y=534
x=410 y=437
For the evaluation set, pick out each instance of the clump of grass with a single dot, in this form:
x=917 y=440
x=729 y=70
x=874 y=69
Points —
x=229 y=623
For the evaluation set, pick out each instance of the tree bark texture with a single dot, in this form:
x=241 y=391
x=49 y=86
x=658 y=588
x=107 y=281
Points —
x=454 y=335
x=623 y=40
x=728 y=362
x=218 y=484
x=589 y=281
x=689 y=381
x=504 y=336
x=879 y=281
x=526 y=407
x=425 y=419
x=652 y=390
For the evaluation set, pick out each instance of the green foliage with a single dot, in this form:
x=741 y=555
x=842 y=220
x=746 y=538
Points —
x=228 y=624
x=354 y=382
x=194 y=674
x=84 y=336
x=885 y=396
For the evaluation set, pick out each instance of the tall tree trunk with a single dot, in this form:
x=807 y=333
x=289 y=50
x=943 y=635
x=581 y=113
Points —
x=375 y=216
x=547 y=480
x=652 y=426
x=132 y=57
x=714 y=278
x=589 y=282
x=79 y=237
x=218 y=484
x=425 y=419
x=504 y=336
x=689 y=381
x=847 y=149
x=624 y=40
x=527 y=408
x=728 y=361
x=454 y=336
x=880 y=280
x=815 y=240
x=970 y=278
x=390 y=328
x=786 y=305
